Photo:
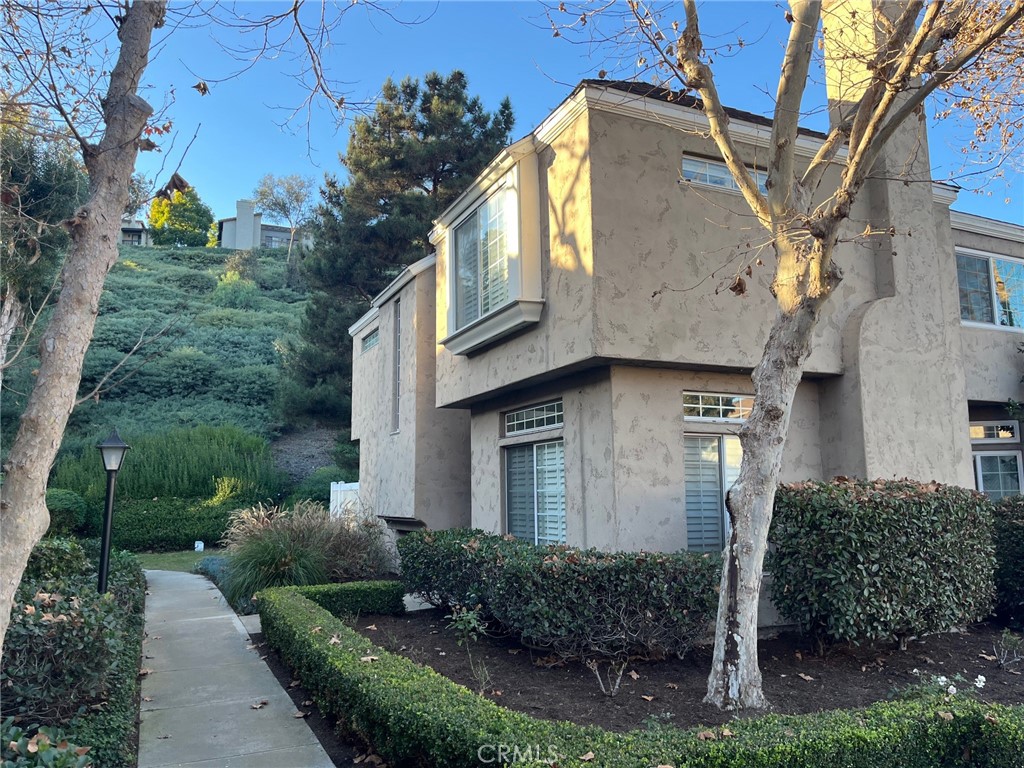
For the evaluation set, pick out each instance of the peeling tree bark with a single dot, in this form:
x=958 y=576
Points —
x=11 y=313
x=94 y=237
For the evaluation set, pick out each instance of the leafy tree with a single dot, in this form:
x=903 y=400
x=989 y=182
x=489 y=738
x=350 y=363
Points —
x=41 y=185
x=180 y=219
x=288 y=199
x=406 y=162
x=890 y=58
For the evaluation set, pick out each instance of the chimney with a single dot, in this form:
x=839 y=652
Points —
x=852 y=36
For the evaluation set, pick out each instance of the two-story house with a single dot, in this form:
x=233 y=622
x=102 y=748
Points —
x=568 y=366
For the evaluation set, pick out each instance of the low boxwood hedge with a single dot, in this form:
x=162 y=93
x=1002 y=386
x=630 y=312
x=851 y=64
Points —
x=413 y=716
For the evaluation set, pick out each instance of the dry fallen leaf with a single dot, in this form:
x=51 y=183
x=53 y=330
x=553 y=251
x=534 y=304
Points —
x=315 y=630
x=259 y=704
x=372 y=627
x=147 y=698
x=307 y=703
x=335 y=640
x=513 y=651
x=496 y=692
x=164 y=737
x=802 y=676
x=986 y=657
x=706 y=736
x=633 y=674
x=294 y=684
x=647 y=698
x=672 y=686
x=145 y=671
x=991 y=718
x=300 y=714
x=587 y=757
x=947 y=716
x=726 y=733
x=369 y=658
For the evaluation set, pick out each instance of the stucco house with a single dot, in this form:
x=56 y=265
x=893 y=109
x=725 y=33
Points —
x=562 y=368
x=246 y=230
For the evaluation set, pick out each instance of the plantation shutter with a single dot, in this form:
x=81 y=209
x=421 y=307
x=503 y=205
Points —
x=493 y=255
x=467 y=268
x=703 y=478
x=519 y=483
x=550 y=472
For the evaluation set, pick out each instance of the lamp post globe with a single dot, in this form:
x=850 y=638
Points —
x=112 y=450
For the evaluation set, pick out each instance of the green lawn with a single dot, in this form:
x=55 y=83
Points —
x=174 y=561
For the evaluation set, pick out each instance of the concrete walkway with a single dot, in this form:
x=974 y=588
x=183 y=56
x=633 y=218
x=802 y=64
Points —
x=197 y=702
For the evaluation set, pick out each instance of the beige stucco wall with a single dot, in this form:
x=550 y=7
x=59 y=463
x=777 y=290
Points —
x=563 y=337
x=992 y=363
x=421 y=469
x=623 y=435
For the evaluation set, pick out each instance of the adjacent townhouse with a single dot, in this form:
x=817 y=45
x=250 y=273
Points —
x=246 y=230
x=569 y=366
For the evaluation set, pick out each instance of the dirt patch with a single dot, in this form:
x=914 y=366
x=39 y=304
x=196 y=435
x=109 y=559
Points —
x=304 y=451
x=671 y=691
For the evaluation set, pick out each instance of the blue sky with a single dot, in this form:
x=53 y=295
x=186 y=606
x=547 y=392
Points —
x=238 y=132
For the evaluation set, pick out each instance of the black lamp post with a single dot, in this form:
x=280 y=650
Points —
x=112 y=450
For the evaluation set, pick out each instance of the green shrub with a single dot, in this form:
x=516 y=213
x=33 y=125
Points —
x=1008 y=535
x=213 y=567
x=56 y=558
x=236 y=292
x=182 y=462
x=111 y=729
x=577 y=603
x=355 y=598
x=67 y=511
x=317 y=486
x=39 y=748
x=413 y=716
x=61 y=644
x=166 y=524
x=193 y=283
x=301 y=545
x=859 y=561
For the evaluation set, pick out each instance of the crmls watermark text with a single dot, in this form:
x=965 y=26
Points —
x=506 y=754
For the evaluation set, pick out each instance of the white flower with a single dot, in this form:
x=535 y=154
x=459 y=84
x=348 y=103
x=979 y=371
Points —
x=914 y=672
x=941 y=680
x=979 y=681
x=951 y=690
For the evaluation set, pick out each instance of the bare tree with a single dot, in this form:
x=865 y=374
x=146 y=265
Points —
x=888 y=58
x=288 y=199
x=81 y=64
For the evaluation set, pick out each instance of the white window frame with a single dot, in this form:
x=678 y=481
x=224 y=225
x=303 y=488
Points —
x=730 y=185
x=989 y=257
x=396 y=368
x=558 y=410
x=978 y=455
x=1012 y=423
x=726 y=522
x=716 y=419
x=536 y=491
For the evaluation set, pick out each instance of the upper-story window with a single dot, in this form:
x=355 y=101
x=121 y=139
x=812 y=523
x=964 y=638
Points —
x=371 y=340
x=717 y=174
x=482 y=246
x=991 y=289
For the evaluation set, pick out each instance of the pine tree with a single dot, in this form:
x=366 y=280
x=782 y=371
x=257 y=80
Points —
x=406 y=163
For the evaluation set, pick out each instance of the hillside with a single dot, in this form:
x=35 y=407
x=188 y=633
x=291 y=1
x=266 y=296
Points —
x=224 y=315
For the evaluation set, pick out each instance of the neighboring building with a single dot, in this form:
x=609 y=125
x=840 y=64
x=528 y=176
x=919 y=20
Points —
x=246 y=230
x=134 y=232
x=563 y=370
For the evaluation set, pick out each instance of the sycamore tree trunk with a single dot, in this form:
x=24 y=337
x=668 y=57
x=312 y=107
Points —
x=735 y=679
x=12 y=312
x=94 y=236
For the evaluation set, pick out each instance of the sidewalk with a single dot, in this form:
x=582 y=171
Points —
x=197 y=702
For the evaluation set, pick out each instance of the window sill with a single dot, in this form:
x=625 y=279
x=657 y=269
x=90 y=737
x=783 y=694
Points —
x=497 y=325
x=990 y=326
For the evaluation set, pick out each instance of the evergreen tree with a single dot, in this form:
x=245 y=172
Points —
x=181 y=219
x=406 y=163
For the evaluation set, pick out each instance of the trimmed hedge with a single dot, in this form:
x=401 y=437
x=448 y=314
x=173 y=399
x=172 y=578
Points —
x=579 y=603
x=860 y=561
x=358 y=597
x=56 y=558
x=1008 y=536
x=413 y=716
x=165 y=524
x=67 y=512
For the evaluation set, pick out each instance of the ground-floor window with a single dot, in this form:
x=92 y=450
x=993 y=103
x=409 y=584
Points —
x=535 y=491
x=711 y=466
x=999 y=473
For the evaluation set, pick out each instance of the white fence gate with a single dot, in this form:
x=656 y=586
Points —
x=344 y=499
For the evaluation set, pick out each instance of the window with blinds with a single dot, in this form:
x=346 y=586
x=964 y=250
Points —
x=482 y=261
x=711 y=466
x=535 y=491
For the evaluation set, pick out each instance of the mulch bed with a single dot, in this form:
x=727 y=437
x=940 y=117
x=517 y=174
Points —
x=671 y=691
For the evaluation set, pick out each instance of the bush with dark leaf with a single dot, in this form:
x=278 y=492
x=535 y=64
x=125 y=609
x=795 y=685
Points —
x=860 y=561
x=1008 y=535
x=67 y=511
